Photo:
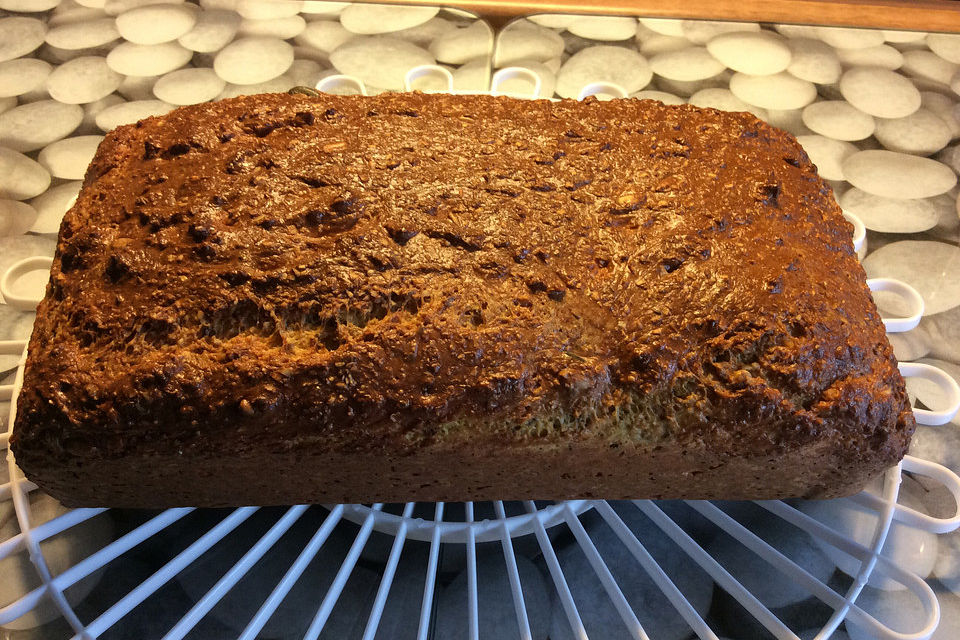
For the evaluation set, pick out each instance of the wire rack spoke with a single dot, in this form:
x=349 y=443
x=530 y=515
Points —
x=47 y=530
x=235 y=573
x=556 y=574
x=513 y=573
x=63 y=522
x=91 y=563
x=12 y=347
x=292 y=574
x=6 y=489
x=768 y=553
x=651 y=566
x=21 y=505
x=146 y=588
x=842 y=605
x=9 y=547
x=606 y=578
x=373 y=622
x=868 y=556
x=346 y=569
x=430 y=582
x=720 y=575
x=473 y=614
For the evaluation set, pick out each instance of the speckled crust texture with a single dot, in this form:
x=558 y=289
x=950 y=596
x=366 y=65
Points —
x=277 y=299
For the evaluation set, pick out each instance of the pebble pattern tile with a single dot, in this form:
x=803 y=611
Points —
x=282 y=28
x=827 y=154
x=838 y=120
x=20 y=36
x=253 y=59
x=83 y=34
x=369 y=19
x=922 y=133
x=524 y=39
x=7 y=103
x=879 y=92
x=52 y=205
x=759 y=53
x=154 y=24
x=16 y=217
x=22 y=75
x=395 y=57
x=813 y=61
x=883 y=56
x=69 y=158
x=691 y=63
x=82 y=80
x=777 y=91
x=138 y=60
x=897 y=175
x=34 y=125
x=212 y=31
x=188 y=86
x=605 y=28
x=876 y=110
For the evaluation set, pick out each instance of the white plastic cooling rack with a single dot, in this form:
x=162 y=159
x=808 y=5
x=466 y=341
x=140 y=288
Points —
x=474 y=524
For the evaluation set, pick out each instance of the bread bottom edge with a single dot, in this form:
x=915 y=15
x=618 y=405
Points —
x=536 y=471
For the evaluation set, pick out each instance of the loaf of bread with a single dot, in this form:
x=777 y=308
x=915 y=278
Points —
x=280 y=299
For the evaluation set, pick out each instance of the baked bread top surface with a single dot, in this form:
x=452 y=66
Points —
x=402 y=269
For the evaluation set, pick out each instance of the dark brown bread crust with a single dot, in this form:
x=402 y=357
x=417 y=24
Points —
x=280 y=299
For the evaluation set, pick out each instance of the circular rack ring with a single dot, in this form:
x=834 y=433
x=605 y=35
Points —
x=912 y=517
x=601 y=89
x=912 y=297
x=341 y=85
x=487 y=530
x=859 y=232
x=949 y=386
x=515 y=73
x=428 y=71
x=16 y=271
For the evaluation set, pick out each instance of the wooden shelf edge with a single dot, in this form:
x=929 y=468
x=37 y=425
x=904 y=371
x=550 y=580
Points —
x=918 y=15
